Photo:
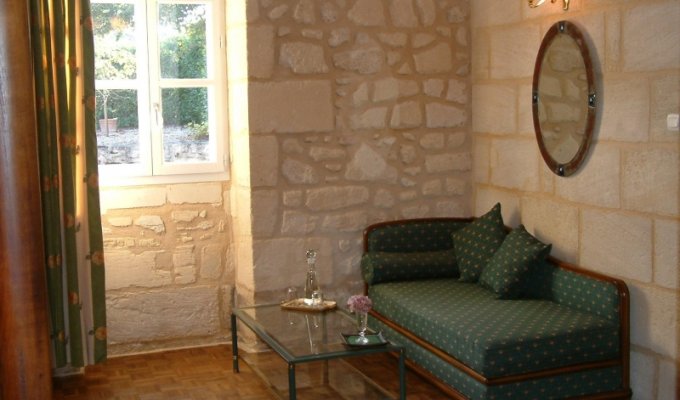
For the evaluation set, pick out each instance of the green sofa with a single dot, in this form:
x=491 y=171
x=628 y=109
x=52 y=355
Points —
x=563 y=334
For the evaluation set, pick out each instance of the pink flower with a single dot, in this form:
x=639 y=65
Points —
x=358 y=303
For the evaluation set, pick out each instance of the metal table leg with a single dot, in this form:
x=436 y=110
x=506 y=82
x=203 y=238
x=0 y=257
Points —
x=234 y=343
x=402 y=376
x=292 y=392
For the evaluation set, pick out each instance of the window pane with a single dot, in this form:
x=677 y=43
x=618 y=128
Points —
x=181 y=33
x=114 y=41
x=186 y=130
x=117 y=126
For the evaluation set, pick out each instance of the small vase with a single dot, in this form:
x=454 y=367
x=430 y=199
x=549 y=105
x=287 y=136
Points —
x=362 y=325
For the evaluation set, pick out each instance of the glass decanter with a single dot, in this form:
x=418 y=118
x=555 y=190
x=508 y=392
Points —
x=312 y=282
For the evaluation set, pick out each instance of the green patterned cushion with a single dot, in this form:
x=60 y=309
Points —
x=380 y=266
x=508 y=267
x=495 y=337
x=476 y=243
x=413 y=235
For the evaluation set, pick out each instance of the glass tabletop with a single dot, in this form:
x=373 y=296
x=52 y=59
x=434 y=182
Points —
x=305 y=336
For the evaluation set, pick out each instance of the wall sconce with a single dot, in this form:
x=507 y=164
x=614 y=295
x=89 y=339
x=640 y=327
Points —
x=536 y=3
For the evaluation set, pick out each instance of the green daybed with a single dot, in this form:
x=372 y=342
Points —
x=560 y=332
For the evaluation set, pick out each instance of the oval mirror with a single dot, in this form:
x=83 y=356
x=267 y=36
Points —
x=563 y=98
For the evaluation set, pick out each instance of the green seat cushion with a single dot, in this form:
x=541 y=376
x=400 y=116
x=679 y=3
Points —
x=476 y=243
x=496 y=337
x=381 y=266
x=507 y=269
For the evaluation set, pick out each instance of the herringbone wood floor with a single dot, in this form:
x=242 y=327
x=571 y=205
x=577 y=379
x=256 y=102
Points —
x=206 y=373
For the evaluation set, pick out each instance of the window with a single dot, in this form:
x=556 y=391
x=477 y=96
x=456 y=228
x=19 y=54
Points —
x=160 y=79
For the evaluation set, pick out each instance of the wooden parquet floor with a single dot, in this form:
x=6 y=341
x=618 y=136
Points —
x=206 y=373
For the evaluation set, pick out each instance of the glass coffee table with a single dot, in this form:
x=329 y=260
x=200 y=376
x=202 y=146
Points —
x=311 y=341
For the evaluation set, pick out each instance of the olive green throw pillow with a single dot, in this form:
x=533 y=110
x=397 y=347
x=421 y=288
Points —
x=507 y=268
x=476 y=243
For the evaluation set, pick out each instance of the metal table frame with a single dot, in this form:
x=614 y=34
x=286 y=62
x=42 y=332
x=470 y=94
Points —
x=292 y=360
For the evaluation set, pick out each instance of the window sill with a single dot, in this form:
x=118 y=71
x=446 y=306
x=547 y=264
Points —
x=113 y=182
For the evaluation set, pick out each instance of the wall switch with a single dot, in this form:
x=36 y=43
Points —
x=673 y=122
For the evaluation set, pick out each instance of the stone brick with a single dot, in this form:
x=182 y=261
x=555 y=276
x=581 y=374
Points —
x=265 y=206
x=553 y=222
x=450 y=208
x=432 y=141
x=184 y=215
x=406 y=115
x=172 y=313
x=651 y=49
x=364 y=60
x=338 y=37
x=185 y=275
x=434 y=60
x=525 y=114
x=367 y=13
x=515 y=164
x=329 y=12
x=432 y=188
x=665 y=100
x=368 y=165
x=457 y=91
x=617 y=244
x=444 y=116
x=448 y=162
x=666 y=251
x=304 y=12
x=402 y=13
x=653 y=311
x=264 y=161
x=455 y=140
x=278 y=12
x=383 y=199
x=494 y=109
x=152 y=222
x=426 y=11
x=292 y=146
x=668 y=380
x=644 y=172
x=131 y=198
x=292 y=198
x=261 y=51
x=513 y=51
x=643 y=380
x=298 y=172
x=394 y=39
x=334 y=198
x=298 y=223
x=487 y=13
x=278 y=263
x=455 y=186
x=433 y=87
x=385 y=89
x=290 y=107
x=408 y=88
x=415 y=211
x=487 y=197
x=203 y=193
x=319 y=153
x=211 y=261
x=625 y=115
x=350 y=221
x=421 y=40
x=126 y=269
x=303 y=58
x=183 y=256
x=373 y=118
x=120 y=222
x=597 y=182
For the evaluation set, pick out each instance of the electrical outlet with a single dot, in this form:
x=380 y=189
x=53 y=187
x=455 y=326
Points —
x=673 y=122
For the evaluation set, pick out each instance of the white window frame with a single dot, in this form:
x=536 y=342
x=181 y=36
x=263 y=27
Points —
x=152 y=168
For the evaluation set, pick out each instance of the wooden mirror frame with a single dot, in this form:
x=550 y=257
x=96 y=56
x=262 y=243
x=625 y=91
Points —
x=565 y=28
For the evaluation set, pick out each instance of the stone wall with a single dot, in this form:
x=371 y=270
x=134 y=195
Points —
x=358 y=113
x=169 y=274
x=619 y=214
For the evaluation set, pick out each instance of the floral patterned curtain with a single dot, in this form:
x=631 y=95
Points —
x=63 y=56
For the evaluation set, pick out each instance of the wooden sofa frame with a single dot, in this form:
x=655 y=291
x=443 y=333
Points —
x=624 y=342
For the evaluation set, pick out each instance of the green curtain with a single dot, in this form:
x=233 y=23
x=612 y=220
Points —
x=63 y=54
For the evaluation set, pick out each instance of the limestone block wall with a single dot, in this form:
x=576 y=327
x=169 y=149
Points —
x=620 y=214
x=169 y=269
x=358 y=112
